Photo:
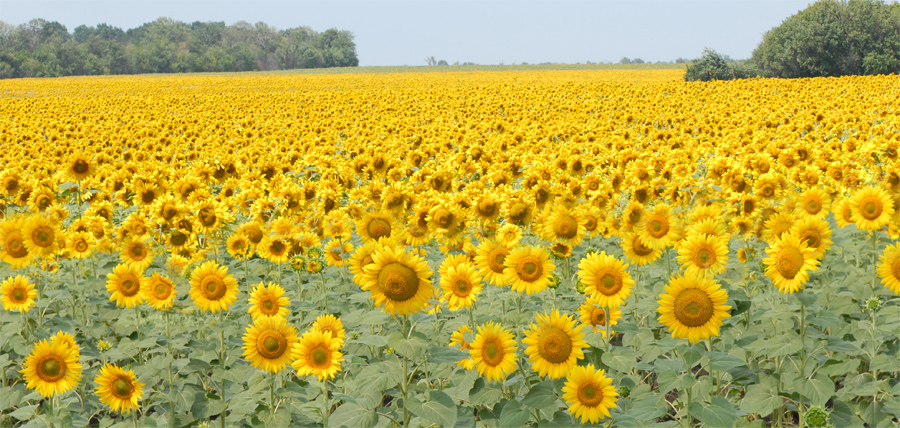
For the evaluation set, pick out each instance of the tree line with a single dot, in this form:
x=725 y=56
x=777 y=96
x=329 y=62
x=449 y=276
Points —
x=828 y=38
x=41 y=48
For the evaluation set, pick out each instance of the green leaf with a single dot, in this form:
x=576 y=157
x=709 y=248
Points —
x=840 y=345
x=818 y=389
x=647 y=409
x=441 y=354
x=761 y=399
x=379 y=376
x=843 y=416
x=372 y=340
x=693 y=354
x=719 y=413
x=412 y=348
x=439 y=408
x=483 y=393
x=561 y=419
x=784 y=346
x=884 y=363
x=24 y=413
x=619 y=359
x=513 y=414
x=722 y=361
x=353 y=415
x=541 y=395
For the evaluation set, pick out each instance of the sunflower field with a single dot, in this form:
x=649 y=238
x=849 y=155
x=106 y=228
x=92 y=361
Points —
x=545 y=248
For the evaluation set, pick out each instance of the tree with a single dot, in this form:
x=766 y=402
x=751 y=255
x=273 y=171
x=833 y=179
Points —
x=833 y=38
x=430 y=60
x=715 y=66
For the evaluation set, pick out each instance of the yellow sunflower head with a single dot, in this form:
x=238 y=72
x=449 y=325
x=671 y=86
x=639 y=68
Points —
x=268 y=343
x=693 y=307
x=871 y=208
x=158 y=291
x=606 y=279
x=889 y=268
x=212 y=288
x=703 y=255
x=400 y=282
x=118 y=389
x=12 y=242
x=590 y=393
x=636 y=251
x=125 y=285
x=461 y=286
x=494 y=351
x=333 y=325
x=268 y=302
x=51 y=368
x=554 y=345
x=17 y=294
x=789 y=262
x=596 y=316
x=40 y=235
x=528 y=269
x=490 y=257
x=317 y=353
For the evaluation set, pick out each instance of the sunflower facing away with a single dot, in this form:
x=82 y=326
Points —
x=605 y=279
x=871 y=208
x=212 y=289
x=528 y=269
x=554 y=344
x=889 y=268
x=118 y=388
x=789 y=263
x=268 y=343
x=461 y=286
x=399 y=282
x=268 y=301
x=158 y=291
x=52 y=367
x=17 y=294
x=693 y=308
x=125 y=285
x=590 y=393
x=317 y=353
x=493 y=351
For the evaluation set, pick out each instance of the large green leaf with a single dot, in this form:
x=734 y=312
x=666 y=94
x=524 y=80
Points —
x=818 y=389
x=353 y=415
x=719 y=413
x=761 y=400
x=438 y=408
x=514 y=414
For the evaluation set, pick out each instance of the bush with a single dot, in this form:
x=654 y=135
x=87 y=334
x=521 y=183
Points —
x=715 y=66
x=833 y=38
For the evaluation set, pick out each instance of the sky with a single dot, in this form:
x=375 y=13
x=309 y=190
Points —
x=484 y=32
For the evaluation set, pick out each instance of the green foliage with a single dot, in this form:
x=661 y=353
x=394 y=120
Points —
x=833 y=38
x=42 y=48
x=715 y=66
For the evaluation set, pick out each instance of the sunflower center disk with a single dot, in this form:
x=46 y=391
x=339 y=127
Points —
x=122 y=388
x=693 y=307
x=51 y=369
x=129 y=287
x=487 y=209
x=268 y=306
x=43 y=236
x=871 y=209
x=137 y=252
x=15 y=248
x=565 y=227
x=704 y=258
x=81 y=246
x=278 y=248
x=319 y=357
x=813 y=207
x=639 y=248
x=398 y=282
x=609 y=284
x=271 y=345
x=589 y=395
x=462 y=288
x=378 y=227
x=496 y=259
x=162 y=291
x=895 y=268
x=443 y=217
x=658 y=228
x=518 y=212
x=789 y=262
x=17 y=295
x=812 y=238
x=554 y=345
x=80 y=166
x=530 y=269
x=213 y=288
x=493 y=353
x=599 y=317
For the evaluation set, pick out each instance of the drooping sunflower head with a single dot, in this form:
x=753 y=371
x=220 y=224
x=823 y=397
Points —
x=17 y=294
x=554 y=344
x=125 y=285
x=268 y=343
x=158 y=291
x=590 y=393
x=317 y=353
x=693 y=307
x=606 y=279
x=212 y=288
x=268 y=301
x=51 y=368
x=400 y=282
x=375 y=226
x=528 y=269
x=118 y=389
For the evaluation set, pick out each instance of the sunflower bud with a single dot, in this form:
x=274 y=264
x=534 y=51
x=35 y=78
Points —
x=816 y=417
x=873 y=304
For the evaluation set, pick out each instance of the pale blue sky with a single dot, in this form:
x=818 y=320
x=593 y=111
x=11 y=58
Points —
x=484 y=32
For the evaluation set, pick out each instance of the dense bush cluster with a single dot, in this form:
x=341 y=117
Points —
x=43 y=48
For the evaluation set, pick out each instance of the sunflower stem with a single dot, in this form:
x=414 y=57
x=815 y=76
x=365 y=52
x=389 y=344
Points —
x=222 y=358
x=324 y=291
x=272 y=399
x=687 y=390
x=137 y=327
x=247 y=276
x=874 y=259
x=171 y=382
x=606 y=318
x=134 y=419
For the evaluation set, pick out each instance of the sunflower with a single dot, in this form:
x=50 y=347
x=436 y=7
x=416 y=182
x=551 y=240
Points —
x=17 y=294
x=509 y=235
x=212 y=289
x=564 y=225
x=452 y=260
x=399 y=282
x=554 y=344
x=125 y=285
x=693 y=307
x=871 y=208
x=889 y=268
x=487 y=207
x=445 y=220
x=253 y=231
x=703 y=255
x=561 y=250
x=158 y=291
x=519 y=211
x=778 y=224
x=590 y=393
x=456 y=338
x=375 y=226
x=636 y=251
x=494 y=351
x=658 y=231
x=489 y=259
x=52 y=367
x=813 y=203
x=815 y=232
x=268 y=343
x=362 y=258
x=336 y=251
x=317 y=353
x=12 y=243
x=789 y=262
x=39 y=234
x=137 y=252
x=528 y=269
x=79 y=244
x=238 y=246
x=268 y=301
x=274 y=249
x=595 y=315
x=333 y=325
x=461 y=286
x=118 y=388
x=606 y=279
x=710 y=226
x=843 y=214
